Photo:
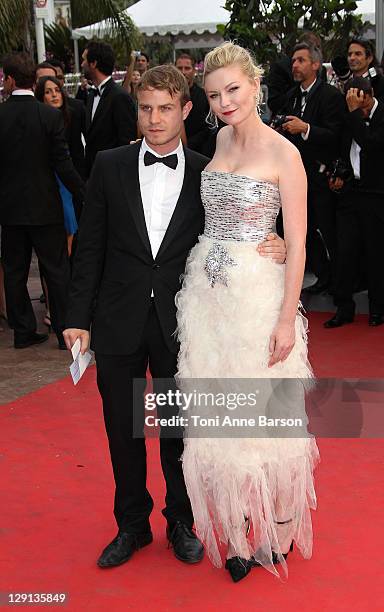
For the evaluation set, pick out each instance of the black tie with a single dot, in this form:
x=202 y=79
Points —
x=168 y=160
x=303 y=101
x=97 y=91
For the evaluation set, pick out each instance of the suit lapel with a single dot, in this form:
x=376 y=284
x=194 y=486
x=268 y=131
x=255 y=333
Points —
x=310 y=100
x=129 y=176
x=88 y=110
x=181 y=208
x=101 y=105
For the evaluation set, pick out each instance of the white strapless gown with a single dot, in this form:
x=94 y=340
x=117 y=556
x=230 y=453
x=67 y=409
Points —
x=227 y=309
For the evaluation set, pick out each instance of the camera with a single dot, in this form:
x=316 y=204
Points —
x=338 y=168
x=278 y=121
x=137 y=53
x=341 y=68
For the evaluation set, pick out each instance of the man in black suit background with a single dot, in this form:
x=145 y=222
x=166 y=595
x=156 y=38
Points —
x=363 y=62
x=196 y=127
x=314 y=117
x=110 y=111
x=143 y=214
x=32 y=149
x=359 y=206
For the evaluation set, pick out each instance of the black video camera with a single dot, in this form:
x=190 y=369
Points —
x=278 y=121
x=338 y=168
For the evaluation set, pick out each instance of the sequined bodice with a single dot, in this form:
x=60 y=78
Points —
x=238 y=208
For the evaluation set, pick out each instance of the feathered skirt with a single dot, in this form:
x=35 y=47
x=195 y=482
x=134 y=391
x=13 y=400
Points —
x=255 y=492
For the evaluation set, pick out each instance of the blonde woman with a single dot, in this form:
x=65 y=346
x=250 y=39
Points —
x=238 y=318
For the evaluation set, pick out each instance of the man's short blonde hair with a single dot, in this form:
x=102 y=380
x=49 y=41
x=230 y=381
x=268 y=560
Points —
x=166 y=78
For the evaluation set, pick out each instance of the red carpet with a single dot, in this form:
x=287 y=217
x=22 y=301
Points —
x=57 y=494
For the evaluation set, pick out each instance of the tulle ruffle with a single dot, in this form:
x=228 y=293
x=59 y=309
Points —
x=224 y=332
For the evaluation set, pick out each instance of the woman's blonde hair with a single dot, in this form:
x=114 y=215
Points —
x=228 y=54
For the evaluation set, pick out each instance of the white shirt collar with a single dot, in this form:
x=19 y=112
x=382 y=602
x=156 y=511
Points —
x=23 y=92
x=100 y=85
x=374 y=107
x=308 y=88
x=145 y=147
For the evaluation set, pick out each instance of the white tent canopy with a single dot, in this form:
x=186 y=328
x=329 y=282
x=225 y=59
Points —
x=168 y=17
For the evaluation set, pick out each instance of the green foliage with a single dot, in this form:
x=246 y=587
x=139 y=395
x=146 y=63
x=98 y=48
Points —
x=16 y=25
x=15 y=19
x=271 y=27
x=59 y=44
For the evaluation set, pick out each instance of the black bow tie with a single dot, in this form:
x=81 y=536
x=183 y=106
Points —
x=98 y=91
x=169 y=160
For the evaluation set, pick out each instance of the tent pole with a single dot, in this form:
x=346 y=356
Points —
x=76 y=50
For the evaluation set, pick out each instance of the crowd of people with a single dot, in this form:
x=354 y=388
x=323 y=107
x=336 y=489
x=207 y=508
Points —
x=182 y=238
x=338 y=130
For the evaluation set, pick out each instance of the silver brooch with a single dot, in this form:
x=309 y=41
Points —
x=215 y=263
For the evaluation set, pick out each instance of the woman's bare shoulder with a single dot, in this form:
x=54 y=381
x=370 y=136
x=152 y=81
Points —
x=282 y=147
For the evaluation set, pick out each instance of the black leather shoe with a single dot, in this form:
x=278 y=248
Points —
x=61 y=342
x=34 y=338
x=275 y=559
x=317 y=288
x=375 y=320
x=239 y=568
x=122 y=548
x=184 y=542
x=338 y=320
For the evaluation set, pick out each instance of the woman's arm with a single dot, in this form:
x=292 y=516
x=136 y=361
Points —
x=293 y=192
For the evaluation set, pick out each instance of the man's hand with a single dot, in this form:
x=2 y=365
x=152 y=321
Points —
x=335 y=183
x=72 y=334
x=274 y=247
x=294 y=125
x=355 y=99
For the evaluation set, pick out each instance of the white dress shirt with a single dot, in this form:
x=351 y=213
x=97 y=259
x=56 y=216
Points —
x=304 y=104
x=355 y=148
x=23 y=92
x=160 y=188
x=96 y=99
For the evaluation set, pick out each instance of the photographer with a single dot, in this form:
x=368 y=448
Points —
x=312 y=121
x=360 y=211
x=362 y=62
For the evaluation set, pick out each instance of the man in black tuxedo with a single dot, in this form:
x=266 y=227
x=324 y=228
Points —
x=362 y=62
x=110 y=111
x=196 y=127
x=360 y=210
x=143 y=214
x=32 y=149
x=315 y=112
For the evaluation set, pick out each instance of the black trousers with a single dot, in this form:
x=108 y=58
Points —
x=360 y=228
x=321 y=234
x=50 y=245
x=115 y=374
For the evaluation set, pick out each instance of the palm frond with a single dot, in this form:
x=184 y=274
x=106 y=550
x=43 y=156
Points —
x=119 y=24
x=14 y=16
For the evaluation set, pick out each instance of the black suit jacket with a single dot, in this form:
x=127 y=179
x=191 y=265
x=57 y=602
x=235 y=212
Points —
x=114 y=122
x=325 y=112
x=32 y=149
x=196 y=128
x=280 y=83
x=371 y=140
x=114 y=270
x=73 y=133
